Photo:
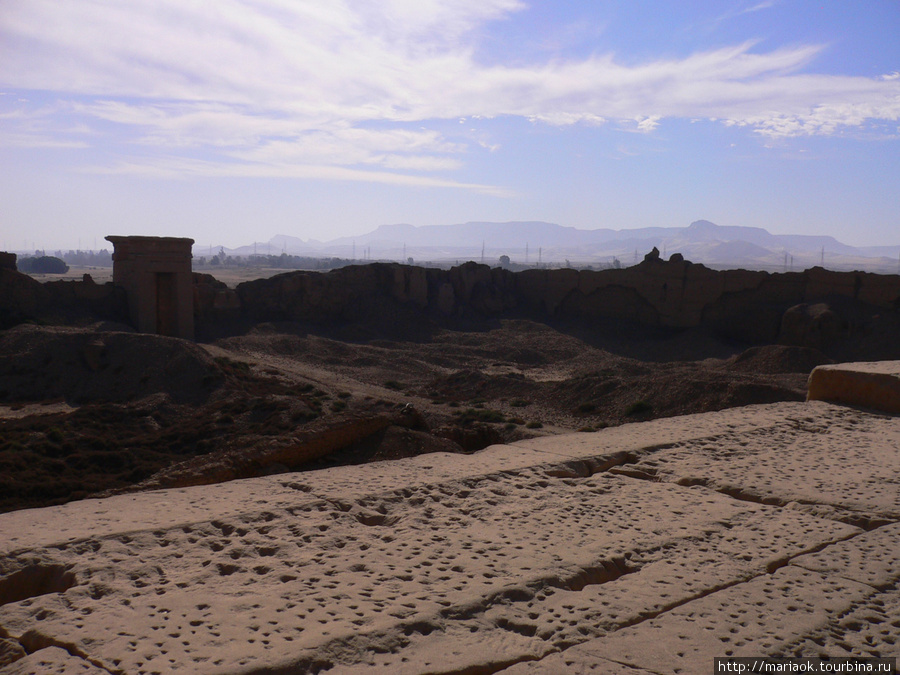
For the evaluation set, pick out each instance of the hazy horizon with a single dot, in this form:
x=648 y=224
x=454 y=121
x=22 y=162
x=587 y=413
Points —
x=97 y=244
x=241 y=121
x=530 y=243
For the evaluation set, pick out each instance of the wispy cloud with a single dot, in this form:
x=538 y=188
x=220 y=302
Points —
x=397 y=149
x=765 y=4
x=16 y=140
x=181 y=168
x=648 y=124
x=737 y=10
x=294 y=87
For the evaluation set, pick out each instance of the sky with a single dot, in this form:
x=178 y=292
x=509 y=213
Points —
x=236 y=120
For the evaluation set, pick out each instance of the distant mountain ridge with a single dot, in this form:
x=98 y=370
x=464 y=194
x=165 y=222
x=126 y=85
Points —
x=529 y=241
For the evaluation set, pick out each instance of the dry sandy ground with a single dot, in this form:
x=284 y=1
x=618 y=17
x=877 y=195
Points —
x=108 y=410
x=643 y=548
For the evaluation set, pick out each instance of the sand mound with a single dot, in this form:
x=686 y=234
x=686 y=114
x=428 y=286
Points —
x=40 y=363
x=673 y=389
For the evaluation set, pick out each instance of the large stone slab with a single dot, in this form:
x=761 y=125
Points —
x=463 y=562
x=871 y=385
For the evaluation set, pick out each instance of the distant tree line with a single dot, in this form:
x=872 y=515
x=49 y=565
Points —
x=506 y=263
x=86 y=258
x=58 y=263
x=283 y=261
x=44 y=264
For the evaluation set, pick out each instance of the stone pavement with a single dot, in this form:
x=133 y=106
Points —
x=646 y=548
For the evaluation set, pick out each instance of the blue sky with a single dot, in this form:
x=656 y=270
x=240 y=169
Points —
x=234 y=121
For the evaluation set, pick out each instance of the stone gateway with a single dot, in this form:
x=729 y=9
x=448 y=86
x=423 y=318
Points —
x=156 y=275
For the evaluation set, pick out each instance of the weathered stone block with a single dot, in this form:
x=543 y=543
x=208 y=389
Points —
x=870 y=385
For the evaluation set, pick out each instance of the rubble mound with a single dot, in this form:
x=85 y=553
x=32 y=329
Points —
x=38 y=363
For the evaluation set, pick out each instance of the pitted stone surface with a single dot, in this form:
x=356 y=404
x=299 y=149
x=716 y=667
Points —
x=569 y=552
x=871 y=558
x=52 y=661
x=837 y=460
x=760 y=617
x=871 y=628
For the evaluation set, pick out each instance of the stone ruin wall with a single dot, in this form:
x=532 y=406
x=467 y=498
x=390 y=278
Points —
x=24 y=299
x=740 y=304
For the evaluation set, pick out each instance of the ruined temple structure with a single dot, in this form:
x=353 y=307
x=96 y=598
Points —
x=156 y=275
